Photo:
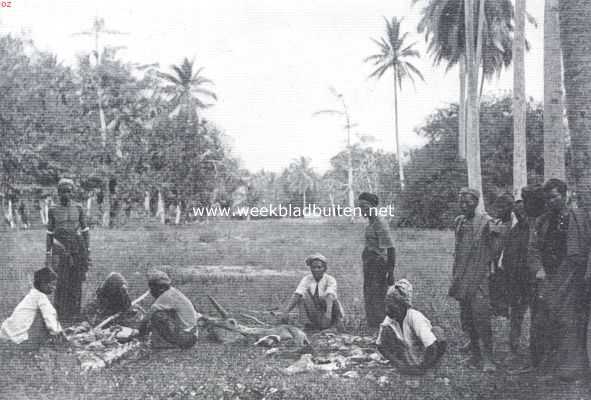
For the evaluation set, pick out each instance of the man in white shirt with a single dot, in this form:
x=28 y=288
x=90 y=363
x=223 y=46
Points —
x=172 y=318
x=406 y=336
x=317 y=294
x=34 y=320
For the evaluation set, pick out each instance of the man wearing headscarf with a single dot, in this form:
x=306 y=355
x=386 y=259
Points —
x=317 y=294
x=68 y=249
x=470 y=278
x=172 y=318
x=559 y=254
x=112 y=297
x=379 y=260
x=406 y=337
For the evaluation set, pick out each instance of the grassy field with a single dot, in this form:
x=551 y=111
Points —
x=237 y=371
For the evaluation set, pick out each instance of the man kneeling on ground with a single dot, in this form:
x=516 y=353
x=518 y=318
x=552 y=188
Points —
x=317 y=294
x=406 y=337
x=34 y=320
x=172 y=318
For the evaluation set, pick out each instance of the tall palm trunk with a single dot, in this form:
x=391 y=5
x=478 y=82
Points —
x=519 y=105
x=397 y=134
x=473 y=60
x=554 y=132
x=462 y=110
x=575 y=37
x=106 y=219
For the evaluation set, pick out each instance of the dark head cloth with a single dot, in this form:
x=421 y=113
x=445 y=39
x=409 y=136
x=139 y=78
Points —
x=473 y=192
x=370 y=198
x=44 y=275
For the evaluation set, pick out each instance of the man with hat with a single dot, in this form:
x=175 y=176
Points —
x=172 y=318
x=317 y=294
x=470 y=278
x=68 y=249
x=34 y=320
x=406 y=337
x=379 y=260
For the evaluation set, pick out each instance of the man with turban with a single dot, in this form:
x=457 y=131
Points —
x=317 y=295
x=406 y=337
x=68 y=249
x=470 y=278
x=172 y=318
x=379 y=260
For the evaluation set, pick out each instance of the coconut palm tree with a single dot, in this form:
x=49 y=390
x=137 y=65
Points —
x=575 y=35
x=186 y=88
x=554 y=132
x=394 y=54
x=488 y=27
x=519 y=102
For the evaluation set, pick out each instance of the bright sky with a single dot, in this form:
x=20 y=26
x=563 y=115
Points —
x=272 y=62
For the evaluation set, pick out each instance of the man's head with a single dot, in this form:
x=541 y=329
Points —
x=65 y=187
x=317 y=263
x=519 y=211
x=366 y=202
x=503 y=206
x=534 y=202
x=468 y=200
x=45 y=280
x=555 y=195
x=158 y=282
x=399 y=299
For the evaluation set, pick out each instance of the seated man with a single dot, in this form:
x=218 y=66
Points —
x=172 y=318
x=34 y=320
x=112 y=298
x=317 y=294
x=406 y=337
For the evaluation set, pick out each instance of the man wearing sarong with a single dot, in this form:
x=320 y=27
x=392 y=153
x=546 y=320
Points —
x=34 y=320
x=68 y=251
x=470 y=278
x=316 y=294
x=172 y=318
x=499 y=232
x=559 y=253
x=406 y=337
x=379 y=260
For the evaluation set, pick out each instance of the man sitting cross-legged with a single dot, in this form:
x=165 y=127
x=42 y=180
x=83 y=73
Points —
x=172 y=318
x=406 y=337
x=34 y=320
x=317 y=294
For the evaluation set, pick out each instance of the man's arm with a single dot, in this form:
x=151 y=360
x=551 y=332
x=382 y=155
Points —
x=293 y=301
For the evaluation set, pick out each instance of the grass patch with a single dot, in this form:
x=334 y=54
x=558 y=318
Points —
x=212 y=371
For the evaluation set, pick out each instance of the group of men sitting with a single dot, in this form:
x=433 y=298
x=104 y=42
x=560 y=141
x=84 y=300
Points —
x=406 y=336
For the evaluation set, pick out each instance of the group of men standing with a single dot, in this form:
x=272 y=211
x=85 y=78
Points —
x=538 y=259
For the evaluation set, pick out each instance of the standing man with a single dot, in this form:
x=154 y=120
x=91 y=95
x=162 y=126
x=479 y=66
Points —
x=470 y=278
x=68 y=249
x=559 y=253
x=379 y=260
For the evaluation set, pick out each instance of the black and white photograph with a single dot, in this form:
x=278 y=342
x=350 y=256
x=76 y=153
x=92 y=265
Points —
x=265 y=200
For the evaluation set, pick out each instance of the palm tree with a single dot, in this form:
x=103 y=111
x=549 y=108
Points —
x=519 y=102
x=394 y=53
x=554 y=132
x=575 y=35
x=344 y=112
x=301 y=177
x=186 y=87
x=448 y=27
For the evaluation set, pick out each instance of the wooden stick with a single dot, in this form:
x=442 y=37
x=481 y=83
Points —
x=112 y=317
